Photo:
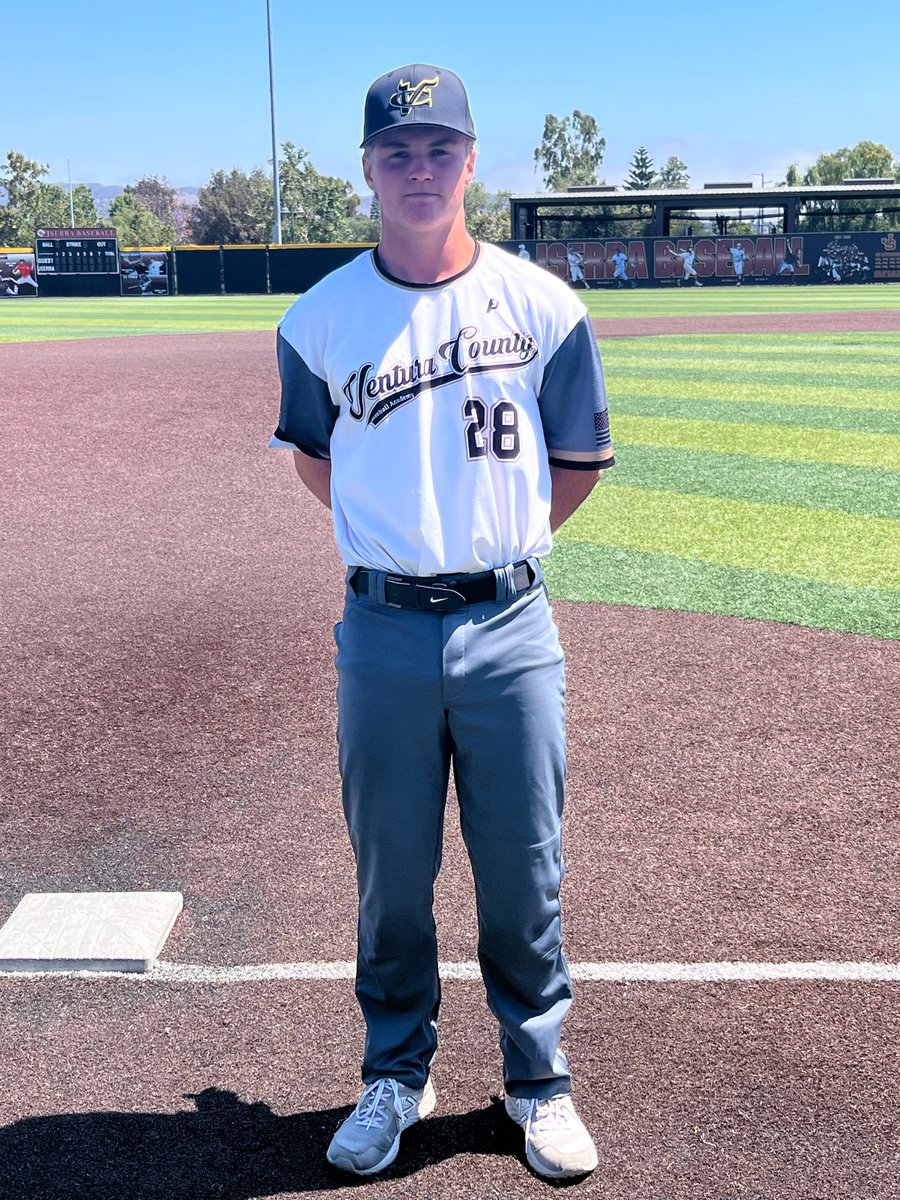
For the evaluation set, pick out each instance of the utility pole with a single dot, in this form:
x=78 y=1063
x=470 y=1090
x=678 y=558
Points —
x=276 y=189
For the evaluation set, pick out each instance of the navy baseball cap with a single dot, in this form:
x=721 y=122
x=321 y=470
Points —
x=417 y=95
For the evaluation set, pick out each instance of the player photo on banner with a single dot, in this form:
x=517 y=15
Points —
x=17 y=278
x=144 y=273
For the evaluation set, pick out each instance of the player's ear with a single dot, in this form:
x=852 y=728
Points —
x=470 y=165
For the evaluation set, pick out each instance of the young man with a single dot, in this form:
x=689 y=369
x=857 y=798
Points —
x=445 y=399
x=738 y=254
x=576 y=267
x=620 y=259
x=687 y=263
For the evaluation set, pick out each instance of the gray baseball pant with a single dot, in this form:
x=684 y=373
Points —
x=482 y=690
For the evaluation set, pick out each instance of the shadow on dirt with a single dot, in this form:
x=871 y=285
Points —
x=225 y=1149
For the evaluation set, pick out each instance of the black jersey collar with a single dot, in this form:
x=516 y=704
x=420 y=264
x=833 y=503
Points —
x=424 y=287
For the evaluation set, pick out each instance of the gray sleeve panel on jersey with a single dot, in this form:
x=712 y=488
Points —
x=573 y=404
x=307 y=412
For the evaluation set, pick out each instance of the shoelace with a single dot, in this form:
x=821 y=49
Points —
x=374 y=1102
x=555 y=1114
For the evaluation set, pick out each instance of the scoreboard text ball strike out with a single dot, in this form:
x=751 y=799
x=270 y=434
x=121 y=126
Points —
x=76 y=252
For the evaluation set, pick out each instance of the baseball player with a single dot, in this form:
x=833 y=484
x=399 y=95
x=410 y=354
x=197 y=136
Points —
x=446 y=400
x=687 y=263
x=576 y=267
x=791 y=261
x=523 y=252
x=23 y=273
x=620 y=273
x=738 y=254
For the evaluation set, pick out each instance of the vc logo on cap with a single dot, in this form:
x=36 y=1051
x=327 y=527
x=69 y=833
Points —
x=409 y=96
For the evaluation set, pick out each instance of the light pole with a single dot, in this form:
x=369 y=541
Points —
x=276 y=190
x=71 y=200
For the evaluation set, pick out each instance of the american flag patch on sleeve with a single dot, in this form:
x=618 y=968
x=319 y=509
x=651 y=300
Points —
x=601 y=428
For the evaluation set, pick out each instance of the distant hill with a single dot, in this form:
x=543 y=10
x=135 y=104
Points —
x=104 y=193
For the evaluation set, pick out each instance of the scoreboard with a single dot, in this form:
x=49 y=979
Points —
x=76 y=252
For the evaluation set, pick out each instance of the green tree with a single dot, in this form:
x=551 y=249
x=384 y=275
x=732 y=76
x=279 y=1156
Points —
x=315 y=208
x=30 y=203
x=136 y=225
x=641 y=174
x=865 y=160
x=674 y=174
x=570 y=152
x=363 y=229
x=233 y=209
x=157 y=196
x=84 y=207
x=487 y=216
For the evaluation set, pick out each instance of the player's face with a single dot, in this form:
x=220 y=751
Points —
x=419 y=175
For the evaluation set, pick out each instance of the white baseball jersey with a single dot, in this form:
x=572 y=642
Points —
x=620 y=260
x=738 y=254
x=441 y=408
x=576 y=262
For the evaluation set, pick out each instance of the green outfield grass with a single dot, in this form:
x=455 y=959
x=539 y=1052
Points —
x=41 y=319
x=757 y=475
x=751 y=298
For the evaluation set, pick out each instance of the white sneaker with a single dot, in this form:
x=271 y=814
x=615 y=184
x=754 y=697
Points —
x=556 y=1142
x=369 y=1139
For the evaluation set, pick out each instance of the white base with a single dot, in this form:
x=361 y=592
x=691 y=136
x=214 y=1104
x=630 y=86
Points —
x=88 y=931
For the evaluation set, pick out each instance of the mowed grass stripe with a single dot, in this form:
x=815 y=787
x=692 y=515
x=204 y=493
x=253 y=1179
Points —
x=646 y=356
x=758 y=298
x=786 y=354
x=856 y=388
x=766 y=441
x=857 y=551
x=583 y=571
x=857 y=490
x=44 y=319
x=798 y=391
x=752 y=350
x=748 y=413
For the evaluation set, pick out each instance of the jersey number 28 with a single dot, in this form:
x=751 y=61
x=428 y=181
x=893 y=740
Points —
x=499 y=422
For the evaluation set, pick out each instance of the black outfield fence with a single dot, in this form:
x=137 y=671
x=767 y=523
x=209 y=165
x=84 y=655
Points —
x=297 y=268
x=196 y=270
x=832 y=258
x=254 y=270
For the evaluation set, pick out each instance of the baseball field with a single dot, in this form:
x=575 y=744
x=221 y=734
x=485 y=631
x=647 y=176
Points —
x=759 y=472
x=729 y=605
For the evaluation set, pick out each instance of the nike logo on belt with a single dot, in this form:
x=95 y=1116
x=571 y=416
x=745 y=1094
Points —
x=438 y=599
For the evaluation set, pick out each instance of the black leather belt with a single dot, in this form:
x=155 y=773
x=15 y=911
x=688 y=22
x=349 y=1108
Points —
x=440 y=593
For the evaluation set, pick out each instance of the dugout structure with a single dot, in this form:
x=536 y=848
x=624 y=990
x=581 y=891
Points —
x=722 y=233
x=612 y=212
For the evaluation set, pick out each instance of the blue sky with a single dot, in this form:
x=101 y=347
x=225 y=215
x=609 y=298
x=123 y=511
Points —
x=180 y=87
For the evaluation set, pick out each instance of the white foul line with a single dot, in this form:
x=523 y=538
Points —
x=584 y=972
